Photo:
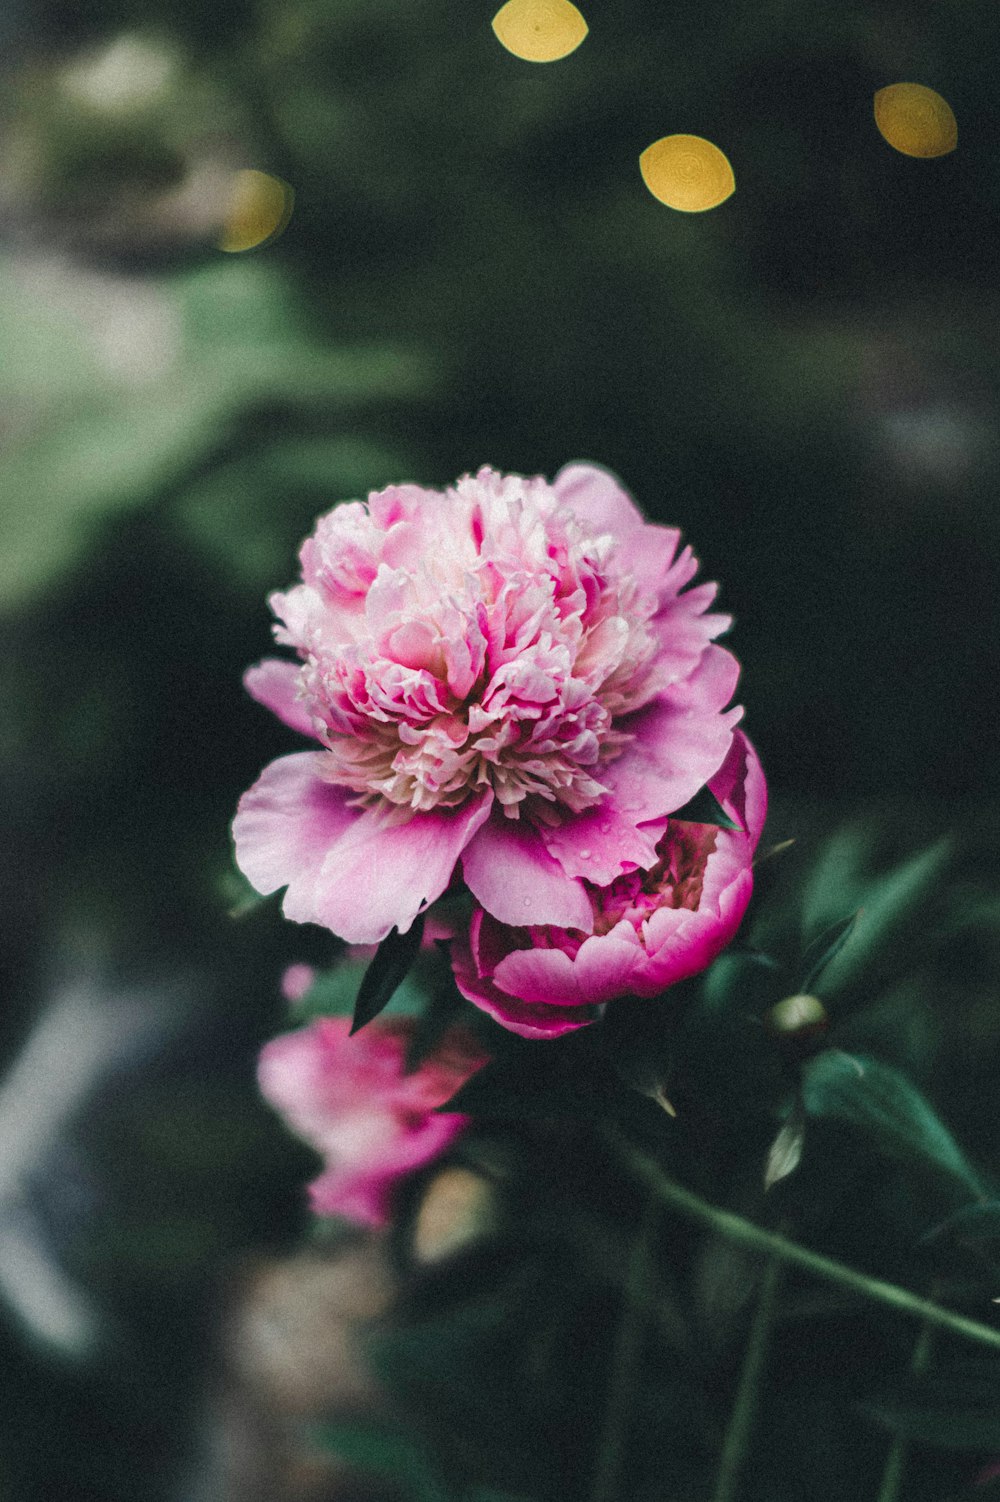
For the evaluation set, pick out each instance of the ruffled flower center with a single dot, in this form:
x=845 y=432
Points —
x=675 y=881
x=468 y=640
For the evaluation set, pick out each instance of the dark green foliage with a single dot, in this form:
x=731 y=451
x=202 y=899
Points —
x=386 y=972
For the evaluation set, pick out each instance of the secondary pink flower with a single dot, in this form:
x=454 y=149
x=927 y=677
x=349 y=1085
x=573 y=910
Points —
x=510 y=674
x=351 y=1100
x=649 y=929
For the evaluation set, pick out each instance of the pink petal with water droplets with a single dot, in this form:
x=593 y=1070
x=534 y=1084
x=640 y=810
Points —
x=508 y=869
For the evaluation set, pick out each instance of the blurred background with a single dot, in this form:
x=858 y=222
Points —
x=804 y=379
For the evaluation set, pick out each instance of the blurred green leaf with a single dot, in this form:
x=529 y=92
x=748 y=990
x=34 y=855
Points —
x=381 y=1451
x=973 y=1223
x=891 y=904
x=879 y=1101
x=333 y=992
x=826 y=948
x=116 y=390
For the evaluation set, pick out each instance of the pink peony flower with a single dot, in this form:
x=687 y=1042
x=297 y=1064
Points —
x=649 y=928
x=351 y=1100
x=510 y=674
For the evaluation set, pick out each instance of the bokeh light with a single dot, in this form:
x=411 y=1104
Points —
x=259 y=208
x=540 y=31
x=687 y=173
x=915 y=120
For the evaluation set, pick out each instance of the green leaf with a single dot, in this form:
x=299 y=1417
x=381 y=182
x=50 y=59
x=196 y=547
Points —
x=387 y=971
x=705 y=808
x=878 y=1100
x=785 y=1153
x=744 y=979
x=890 y=903
x=826 y=948
x=836 y=883
x=385 y=1452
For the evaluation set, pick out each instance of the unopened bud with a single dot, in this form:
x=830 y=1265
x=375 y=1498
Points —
x=798 y=1017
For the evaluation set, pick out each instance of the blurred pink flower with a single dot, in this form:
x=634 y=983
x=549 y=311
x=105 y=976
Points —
x=351 y=1100
x=510 y=674
x=649 y=928
x=296 y=980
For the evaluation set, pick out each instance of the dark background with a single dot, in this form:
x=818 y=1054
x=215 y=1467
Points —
x=804 y=379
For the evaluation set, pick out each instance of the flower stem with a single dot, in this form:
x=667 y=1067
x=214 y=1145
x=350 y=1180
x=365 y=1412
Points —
x=892 y=1476
x=745 y=1233
x=748 y=1392
x=625 y=1359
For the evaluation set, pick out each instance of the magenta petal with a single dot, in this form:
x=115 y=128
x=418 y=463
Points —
x=525 y=1018
x=284 y=828
x=602 y=968
x=380 y=875
x=509 y=870
x=605 y=841
x=740 y=787
x=273 y=683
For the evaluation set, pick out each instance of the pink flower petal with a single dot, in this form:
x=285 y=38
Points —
x=524 y=1018
x=285 y=826
x=508 y=869
x=679 y=742
x=380 y=875
x=344 y=868
x=273 y=683
x=603 y=968
x=740 y=787
x=601 y=505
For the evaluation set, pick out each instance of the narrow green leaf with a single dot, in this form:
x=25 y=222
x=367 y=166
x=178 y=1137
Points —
x=705 y=808
x=825 y=948
x=386 y=972
x=878 y=1100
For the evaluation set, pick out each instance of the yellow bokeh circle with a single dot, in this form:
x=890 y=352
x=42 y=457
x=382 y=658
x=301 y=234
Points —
x=540 y=31
x=687 y=173
x=259 y=208
x=916 y=120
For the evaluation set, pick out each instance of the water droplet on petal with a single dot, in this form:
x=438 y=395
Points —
x=539 y=31
x=259 y=208
x=585 y=855
x=687 y=173
x=915 y=120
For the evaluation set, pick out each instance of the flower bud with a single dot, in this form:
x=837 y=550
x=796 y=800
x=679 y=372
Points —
x=798 y=1018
